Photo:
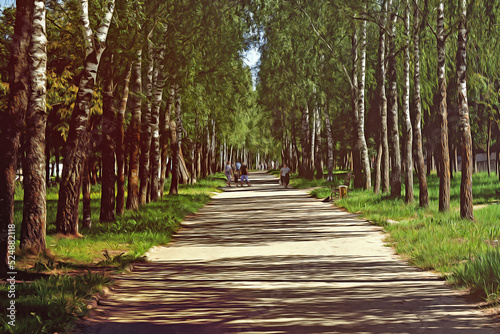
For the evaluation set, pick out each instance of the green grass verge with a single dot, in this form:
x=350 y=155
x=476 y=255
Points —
x=51 y=304
x=78 y=268
x=464 y=252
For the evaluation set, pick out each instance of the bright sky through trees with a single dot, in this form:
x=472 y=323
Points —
x=251 y=58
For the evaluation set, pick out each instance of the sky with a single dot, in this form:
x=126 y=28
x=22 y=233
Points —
x=4 y=3
x=251 y=58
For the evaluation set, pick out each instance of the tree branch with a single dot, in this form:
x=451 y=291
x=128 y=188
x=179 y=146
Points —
x=327 y=44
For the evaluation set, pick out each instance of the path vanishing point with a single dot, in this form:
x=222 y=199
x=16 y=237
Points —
x=264 y=259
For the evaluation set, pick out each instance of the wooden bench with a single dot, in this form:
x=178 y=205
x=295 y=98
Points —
x=339 y=191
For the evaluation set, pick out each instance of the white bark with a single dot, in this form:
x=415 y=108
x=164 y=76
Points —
x=35 y=209
x=408 y=140
x=361 y=110
x=87 y=30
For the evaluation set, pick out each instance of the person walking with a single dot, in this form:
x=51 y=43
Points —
x=228 y=172
x=244 y=175
x=236 y=174
x=285 y=175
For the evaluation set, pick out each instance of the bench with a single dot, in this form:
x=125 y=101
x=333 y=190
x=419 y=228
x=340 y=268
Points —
x=339 y=191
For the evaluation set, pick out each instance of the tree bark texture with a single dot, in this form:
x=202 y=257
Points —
x=378 y=165
x=213 y=154
x=417 y=131
x=365 y=160
x=155 y=132
x=312 y=142
x=318 y=165
x=146 y=129
x=165 y=137
x=86 y=188
x=488 y=145
x=330 y=145
x=176 y=142
x=206 y=152
x=356 y=154
x=120 y=142
x=444 y=181
x=135 y=135
x=79 y=137
x=34 y=205
x=466 y=205
x=108 y=145
x=12 y=123
x=392 y=106
x=304 y=142
x=382 y=98
x=407 y=127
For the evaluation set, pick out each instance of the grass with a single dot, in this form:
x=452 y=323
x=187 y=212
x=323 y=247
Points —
x=51 y=304
x=57 y=284
x=134 y=232
x=464 y=252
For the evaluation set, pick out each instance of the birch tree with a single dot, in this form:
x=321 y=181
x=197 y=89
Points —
x=392 y=107
x=120 y=142
x=108 y=144
x=146 y=125
x=12 y=122
x=176 y=127
x=417 y=100
x=134 y=135
x=155 y=155
x=407 y=128
x=79 y=139
x=382 y=99
x=361 y=111
x=466 y=205
x=34 y=205
x=444 y=179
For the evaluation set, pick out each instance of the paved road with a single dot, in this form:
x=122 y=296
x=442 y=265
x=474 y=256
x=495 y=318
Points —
x=263 y=259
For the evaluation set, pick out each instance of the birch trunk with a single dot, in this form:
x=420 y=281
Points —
x=382 y=74
x=86 y=186
x=378 y=165
x=12 y=122
x=146 y=129
x=165 y=137
x=417 y=131
x=206 y=152
x=330 y=145
x=317 y=154
x=213 y=142
x=312 y=141
x=304 y=170
x=33 y=226
x=120 y=142
x=108 y=145
x=392 y=106
x=155 y=131
x=444 y=181
x=407 y=127
x=488 y=146
x=356 y=154
x=176 y=144
x=78 y=137
x=365 y=161
x=134 y=139
x=466 y=208
x=199 y=151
